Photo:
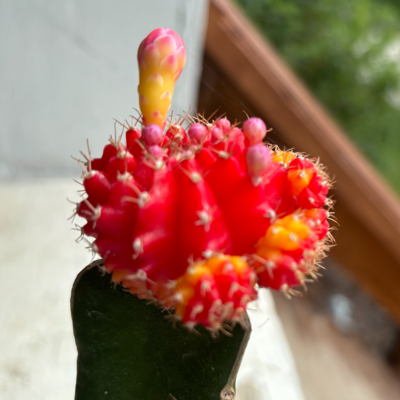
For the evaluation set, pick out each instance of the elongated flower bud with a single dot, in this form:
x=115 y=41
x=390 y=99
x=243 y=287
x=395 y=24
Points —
x=161 y=57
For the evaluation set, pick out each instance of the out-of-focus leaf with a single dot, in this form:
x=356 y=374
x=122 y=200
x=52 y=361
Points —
x=347 y=53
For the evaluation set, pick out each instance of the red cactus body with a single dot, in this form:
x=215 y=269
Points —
x=176 y=215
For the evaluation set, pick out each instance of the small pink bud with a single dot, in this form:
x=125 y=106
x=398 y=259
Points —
x=187 y=154
x=258 y=159
x=216 y=134
x=152 y=134
x=155 y=151
x=198 y=133
x=254 y=130
x=224 y=125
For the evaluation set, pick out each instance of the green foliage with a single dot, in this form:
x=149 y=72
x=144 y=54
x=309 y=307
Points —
x=128 y=350
x=345 y=51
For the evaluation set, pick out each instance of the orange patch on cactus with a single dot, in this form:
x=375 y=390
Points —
x=284 y=157
x=287 y=253
x=285 y=234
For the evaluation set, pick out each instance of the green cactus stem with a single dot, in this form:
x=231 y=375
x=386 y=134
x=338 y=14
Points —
x=128 y=350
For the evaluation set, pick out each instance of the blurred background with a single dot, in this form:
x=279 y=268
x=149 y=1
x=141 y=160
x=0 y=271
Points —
x=324 y=75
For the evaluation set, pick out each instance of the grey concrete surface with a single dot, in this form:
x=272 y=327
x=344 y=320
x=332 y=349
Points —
x=39 y=260
x=68 y=67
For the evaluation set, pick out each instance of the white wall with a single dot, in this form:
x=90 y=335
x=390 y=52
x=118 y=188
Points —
x=68 y=67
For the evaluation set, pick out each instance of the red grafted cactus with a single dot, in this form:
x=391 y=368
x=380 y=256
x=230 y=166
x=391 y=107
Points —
x=195 y=216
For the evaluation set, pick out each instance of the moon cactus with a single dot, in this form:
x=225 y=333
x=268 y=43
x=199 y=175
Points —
x=194 y=212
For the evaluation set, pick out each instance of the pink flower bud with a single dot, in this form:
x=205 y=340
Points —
x=198 y=133
x=187 y=154
x=254 y=130
x=224 y=125
x=165 y=37
x=216 y=134
x=155 y=151
x=258 y=159
x=152 y=134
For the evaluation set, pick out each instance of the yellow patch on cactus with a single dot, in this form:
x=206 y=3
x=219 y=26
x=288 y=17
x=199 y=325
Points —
x=285 y=234
x=300 y=179
x=222 y=263
x=284 y=157
x=269 y=254
x=185 y=285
